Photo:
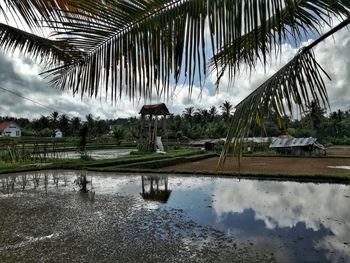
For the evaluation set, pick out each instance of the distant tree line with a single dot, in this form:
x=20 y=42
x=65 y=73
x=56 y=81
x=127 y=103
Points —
x=71 y=127
x=192 y=124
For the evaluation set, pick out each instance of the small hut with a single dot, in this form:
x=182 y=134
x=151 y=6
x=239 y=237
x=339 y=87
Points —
x=155 y=188
x=153 y=126
x=298 y=146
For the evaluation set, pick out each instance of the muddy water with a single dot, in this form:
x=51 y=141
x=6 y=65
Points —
x=134 y=218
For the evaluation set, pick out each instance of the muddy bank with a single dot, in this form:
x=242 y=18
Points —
x=281 y=165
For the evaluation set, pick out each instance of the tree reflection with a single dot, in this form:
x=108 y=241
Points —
x=32 y=181
x=155 y=188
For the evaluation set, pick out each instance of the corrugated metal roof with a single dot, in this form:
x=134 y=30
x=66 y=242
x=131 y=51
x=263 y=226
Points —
x=292 y=142
x=257 y=139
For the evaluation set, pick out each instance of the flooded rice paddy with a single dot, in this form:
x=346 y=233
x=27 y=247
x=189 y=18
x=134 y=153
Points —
x=135 y=218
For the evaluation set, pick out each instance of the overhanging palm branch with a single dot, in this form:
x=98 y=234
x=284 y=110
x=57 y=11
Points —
x=141 y=47
x=134 y=47
x=292 y=22
x=300 y=83
x=12 y=39
x=36 y=13
x=36 y=16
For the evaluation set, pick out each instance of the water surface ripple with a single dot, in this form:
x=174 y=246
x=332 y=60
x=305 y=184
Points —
x=134 y=218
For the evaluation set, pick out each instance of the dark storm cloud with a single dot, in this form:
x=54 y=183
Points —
x=20 y=75
x=7 y=72
x=27 y=85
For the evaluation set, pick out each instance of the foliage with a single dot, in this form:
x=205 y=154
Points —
x=140 y=47
x=82 y=142
x=329 y=129
x=119 y=135
x=157 y=164
x=46 y=132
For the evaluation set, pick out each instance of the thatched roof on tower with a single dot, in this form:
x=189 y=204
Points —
x=154 y=109
x=161 y=196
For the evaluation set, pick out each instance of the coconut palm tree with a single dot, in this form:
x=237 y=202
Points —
x=226 y=108
x=64 y=122
x=53 y=118
x=143 y=47
x=188 y=113
x=213 y=112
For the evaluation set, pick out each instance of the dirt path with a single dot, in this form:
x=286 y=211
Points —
x=288 y=165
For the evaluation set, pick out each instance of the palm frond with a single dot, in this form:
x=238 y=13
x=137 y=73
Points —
x=35 y=13
x=299 y=83
x=292 y=22
x=141 y=47
x=136 y=47
x=54 y=52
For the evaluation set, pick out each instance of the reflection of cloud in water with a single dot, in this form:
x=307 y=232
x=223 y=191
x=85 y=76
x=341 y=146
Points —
x=284 y=204
x=344 y=167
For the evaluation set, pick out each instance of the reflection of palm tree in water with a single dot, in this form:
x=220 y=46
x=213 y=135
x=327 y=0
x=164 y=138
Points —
x=25 y=181
x=155 y=188
x=36 y=180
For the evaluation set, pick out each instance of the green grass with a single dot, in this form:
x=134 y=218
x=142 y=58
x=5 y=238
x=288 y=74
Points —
x=92 y=164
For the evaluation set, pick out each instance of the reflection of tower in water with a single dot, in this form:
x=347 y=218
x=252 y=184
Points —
x=155 y=188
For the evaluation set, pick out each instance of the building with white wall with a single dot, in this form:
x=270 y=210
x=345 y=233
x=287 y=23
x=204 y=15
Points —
x=10 y=129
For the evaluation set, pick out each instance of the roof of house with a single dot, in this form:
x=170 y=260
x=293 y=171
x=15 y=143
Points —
x=294 y=142
x=4 y=125
x=154 y=109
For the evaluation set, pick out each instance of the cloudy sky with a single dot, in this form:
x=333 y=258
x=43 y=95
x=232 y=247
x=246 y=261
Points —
x=21 y=75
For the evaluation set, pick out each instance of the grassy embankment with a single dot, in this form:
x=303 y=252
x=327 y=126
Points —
x=137 y=162
x=47 y=144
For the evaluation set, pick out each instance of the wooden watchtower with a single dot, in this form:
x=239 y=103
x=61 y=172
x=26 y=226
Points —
x=153 y=125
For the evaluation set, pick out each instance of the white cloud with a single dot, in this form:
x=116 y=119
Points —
x=284 y=204
x=22 y=76
x=334 y=55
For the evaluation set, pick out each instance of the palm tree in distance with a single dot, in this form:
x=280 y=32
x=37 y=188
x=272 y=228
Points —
x=64 y=122
x=90 y=121
x=143 y=47
x=54 y=118
x=226 y=108
x=188 y=113
x=213 y=112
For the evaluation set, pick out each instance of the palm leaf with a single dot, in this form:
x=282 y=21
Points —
x=133 y=45
x=299 y=83
x=293 y=22
x=37 y=47
x=141 y=47
x=36 y=13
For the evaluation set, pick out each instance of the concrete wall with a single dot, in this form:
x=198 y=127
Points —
x=12 y=130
